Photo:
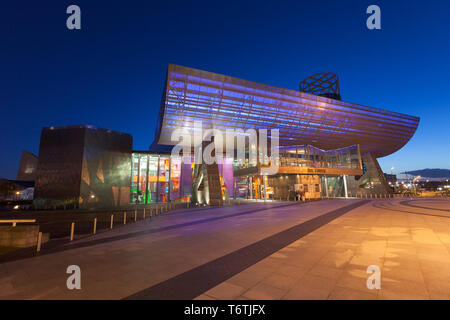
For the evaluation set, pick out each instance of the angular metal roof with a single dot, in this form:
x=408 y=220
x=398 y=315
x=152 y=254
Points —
x=223 y=102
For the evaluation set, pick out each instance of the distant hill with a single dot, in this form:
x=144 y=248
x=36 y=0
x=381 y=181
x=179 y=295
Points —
x=431 y=173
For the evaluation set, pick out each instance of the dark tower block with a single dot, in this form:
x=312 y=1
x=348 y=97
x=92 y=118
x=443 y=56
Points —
x=83 y=166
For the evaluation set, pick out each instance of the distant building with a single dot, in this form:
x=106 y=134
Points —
x=14 y=190
x=27 y=167
x=391 y=179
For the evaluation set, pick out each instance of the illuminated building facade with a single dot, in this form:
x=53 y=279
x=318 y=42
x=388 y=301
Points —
x=327 y=147
x=336 y=143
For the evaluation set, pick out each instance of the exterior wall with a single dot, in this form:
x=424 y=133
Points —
x=20 y=236
x=59 y=168
x=27 y=167
x=286 y=186
x=214 y=183
x=83 y=166
x=106 y=169
x=373 y=181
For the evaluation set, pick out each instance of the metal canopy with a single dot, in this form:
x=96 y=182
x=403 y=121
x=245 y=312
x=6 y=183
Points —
x=225 y=102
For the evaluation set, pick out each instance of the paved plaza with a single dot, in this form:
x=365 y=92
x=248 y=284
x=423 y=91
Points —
x=314 y=250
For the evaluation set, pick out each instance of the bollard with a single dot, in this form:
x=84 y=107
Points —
x=135 y=215
x=188 y=204
x=124 y=217
x=39 y=240
x=239 y=201
x=95 y=226
x=112 y=222
x=166 y=207
x=72 y=230
x=151 y=212
x=143 y=216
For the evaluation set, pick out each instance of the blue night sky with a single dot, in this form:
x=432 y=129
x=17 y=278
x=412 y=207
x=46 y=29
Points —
x=111 y=72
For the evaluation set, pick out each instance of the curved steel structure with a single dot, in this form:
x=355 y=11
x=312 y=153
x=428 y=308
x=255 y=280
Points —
x=325 y=84
x=225 y=102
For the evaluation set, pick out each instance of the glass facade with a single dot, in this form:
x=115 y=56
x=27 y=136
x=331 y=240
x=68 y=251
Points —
x=163 y=178
x=159 y=178
x=309 y=156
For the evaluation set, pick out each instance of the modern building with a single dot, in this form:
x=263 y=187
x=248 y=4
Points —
x=327 y=147
x=83 y=166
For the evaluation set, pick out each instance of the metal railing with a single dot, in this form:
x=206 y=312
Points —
x=14 y=222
